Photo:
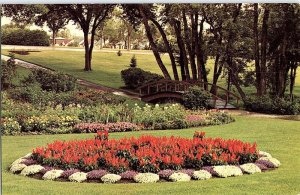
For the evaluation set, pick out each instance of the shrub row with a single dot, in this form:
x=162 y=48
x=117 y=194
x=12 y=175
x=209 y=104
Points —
x=136 y=77
x=269 y=105
x=17 y=36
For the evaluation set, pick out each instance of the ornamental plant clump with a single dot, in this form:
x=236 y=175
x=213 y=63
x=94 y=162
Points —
x=228 y=171
x=165 y=174
x=178 y=176
x=32 y=169
x=53 y=174
x=17 y=167
x=128 y=174
x=78 y=177
x=146 y=178
x=96 y=174
x=250 y=168
x=201 y=175
x=145 y=154
x=110 y=127
x=111 y=178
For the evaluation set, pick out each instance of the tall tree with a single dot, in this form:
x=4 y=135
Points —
x=55 y=20
x=23 y=14
x=89 y=17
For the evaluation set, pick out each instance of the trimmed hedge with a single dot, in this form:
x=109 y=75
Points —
x=136 y=77
x=16 y=36
x=269 y=105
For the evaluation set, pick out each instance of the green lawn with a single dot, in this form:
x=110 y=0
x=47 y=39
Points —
x=279 y=137
x=107 y=65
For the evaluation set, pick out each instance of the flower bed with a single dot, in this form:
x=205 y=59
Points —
x=168 y=158
x=110 y=127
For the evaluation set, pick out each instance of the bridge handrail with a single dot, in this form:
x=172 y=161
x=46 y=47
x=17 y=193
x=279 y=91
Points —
x=188 y=84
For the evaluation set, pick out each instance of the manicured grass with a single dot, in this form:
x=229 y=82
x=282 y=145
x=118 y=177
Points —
x=279 y=137
x=107 y=65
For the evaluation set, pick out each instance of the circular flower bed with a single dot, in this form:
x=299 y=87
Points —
x=146 y=159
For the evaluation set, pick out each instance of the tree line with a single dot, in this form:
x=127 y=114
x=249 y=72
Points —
x=251 y=44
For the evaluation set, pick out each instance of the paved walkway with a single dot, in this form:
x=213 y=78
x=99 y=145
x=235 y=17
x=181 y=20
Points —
x=86 y=83
x=44 y=48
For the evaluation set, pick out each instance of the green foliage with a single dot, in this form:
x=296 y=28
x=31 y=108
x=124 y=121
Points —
x=136 y=77
x=51 y=81
x=133 y=63
x=10 y=126
x=8 y=72
x=119 y=53
x=269 y=105
x=219 y=118
x=50 y=123
x=196 y=98
x=160 y=117
x=18 y=36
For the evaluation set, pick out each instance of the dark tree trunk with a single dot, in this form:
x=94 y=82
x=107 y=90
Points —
x=189 y=44
x=259 y=84
x=169 y=49
x=197 y=47
x=87 y=65
x=201 y=56
x=154 y=46
x=53 y=38
x=263 y=63
x=292 y=79
x=217 y=73
x=177 y=28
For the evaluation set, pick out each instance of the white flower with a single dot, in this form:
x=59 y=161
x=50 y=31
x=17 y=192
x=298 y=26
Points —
x=18 y=161
x=146 y=178
x=250 y=168
x=265 y=154
x=272 y=160
x=178 y=176
x=201 y=175
x=32 y=169
x=27 y=155
x=110 y=178
x=52 y=174
x=227 y=171
x=78 y=177
x=17 y=167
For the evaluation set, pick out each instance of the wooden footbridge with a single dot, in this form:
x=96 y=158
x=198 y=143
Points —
x=170 y=89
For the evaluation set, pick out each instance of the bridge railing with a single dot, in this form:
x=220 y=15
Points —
x=182 y=86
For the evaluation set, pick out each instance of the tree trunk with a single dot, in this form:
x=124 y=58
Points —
x=197 y=47
x=177 y=28
x=153 y=45
x=201 y=56
x=259 y=84
x=53 y=38
x=217 y=73
x=169 y=49
x=188 y=44
x=263 y=63
x=292 y=78
x=87 y=65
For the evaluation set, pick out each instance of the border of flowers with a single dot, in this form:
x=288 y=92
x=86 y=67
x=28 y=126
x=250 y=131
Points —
x=264 y=163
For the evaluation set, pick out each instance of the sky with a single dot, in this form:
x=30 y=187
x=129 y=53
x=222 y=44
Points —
x=73 y=28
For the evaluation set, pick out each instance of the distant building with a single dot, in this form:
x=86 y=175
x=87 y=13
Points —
x=60 y=41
